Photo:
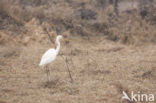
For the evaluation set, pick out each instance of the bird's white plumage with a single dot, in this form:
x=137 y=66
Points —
x=50 y=54
x=48 y=57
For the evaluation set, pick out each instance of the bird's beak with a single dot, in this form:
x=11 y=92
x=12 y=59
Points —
x=65 y=41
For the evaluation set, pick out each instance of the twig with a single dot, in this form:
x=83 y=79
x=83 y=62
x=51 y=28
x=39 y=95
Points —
x=49 y=36
x=66 y=62
x=72 y=62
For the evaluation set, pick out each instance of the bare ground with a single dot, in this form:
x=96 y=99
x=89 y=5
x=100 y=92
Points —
x=101 y=70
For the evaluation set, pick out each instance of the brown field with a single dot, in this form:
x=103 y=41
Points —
x=101 y=71
x=105 y=56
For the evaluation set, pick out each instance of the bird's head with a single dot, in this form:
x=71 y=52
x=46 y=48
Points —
x=59 y=37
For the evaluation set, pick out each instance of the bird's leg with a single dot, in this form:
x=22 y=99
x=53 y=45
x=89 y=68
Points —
x=48 y=73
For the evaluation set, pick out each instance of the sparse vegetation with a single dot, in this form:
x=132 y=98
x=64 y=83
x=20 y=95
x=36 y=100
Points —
x=83 y=18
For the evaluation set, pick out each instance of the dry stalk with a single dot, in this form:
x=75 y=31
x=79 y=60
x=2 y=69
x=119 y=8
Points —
x=49 y=36
x=66 y=62
x=72 y=62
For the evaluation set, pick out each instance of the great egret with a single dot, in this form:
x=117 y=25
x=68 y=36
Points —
x=50 y=55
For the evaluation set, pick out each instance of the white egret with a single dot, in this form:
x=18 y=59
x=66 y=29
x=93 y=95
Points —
x=50 y=55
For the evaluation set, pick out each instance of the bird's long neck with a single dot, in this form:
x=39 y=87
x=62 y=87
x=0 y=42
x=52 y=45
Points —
x=58 y=45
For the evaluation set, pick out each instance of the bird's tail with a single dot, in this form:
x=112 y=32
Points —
x=40 y=64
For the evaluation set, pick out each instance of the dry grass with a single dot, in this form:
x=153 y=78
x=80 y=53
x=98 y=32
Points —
x=100 y=72
x=128 y=27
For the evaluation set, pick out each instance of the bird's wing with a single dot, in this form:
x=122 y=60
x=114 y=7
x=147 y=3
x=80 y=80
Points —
x=49 y=52
x=48 y=56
